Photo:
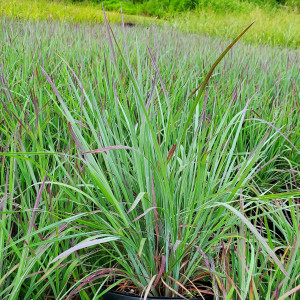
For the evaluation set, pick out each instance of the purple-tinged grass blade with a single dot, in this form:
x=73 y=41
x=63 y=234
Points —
x=105 y=149
x=206 y=79
x=2 y=79
x=125 y=37
x=75 y=138
x=84 y=245
x=36 y=108
x=257 y=235
x=278 y=131
x=161 y=270
x=144 y=213
x=177 y=243
x=203 y=114
x=56 y=92
x=99 y=274
x=205 y=258
x=81 y=124
x=136 y=201
x=36 y=205
x=78 y=80
x=152 y=91
x=5 y=197
x=171 y=153
x=159 y=76
x=155 y=76
x=109 y=36
x=155 y=216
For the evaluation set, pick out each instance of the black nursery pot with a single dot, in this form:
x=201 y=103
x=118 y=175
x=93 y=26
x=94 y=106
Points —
x=118 y=296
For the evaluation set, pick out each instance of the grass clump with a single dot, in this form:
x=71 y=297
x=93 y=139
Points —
x=99 y=151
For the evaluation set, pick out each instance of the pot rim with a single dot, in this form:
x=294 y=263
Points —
x=162 y=298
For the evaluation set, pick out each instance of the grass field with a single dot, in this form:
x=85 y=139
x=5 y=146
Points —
x=175 y=187
x=274 y=25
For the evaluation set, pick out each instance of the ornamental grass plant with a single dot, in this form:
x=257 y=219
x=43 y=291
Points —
x=129 y=163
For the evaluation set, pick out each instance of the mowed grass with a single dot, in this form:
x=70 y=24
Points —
x=274 y=25
x=224 y=183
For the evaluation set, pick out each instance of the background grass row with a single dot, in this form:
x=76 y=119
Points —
x=165 y=7
x=275 y=25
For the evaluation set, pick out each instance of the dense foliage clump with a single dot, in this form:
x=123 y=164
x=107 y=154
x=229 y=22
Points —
x=116 y=170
